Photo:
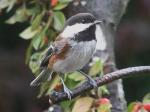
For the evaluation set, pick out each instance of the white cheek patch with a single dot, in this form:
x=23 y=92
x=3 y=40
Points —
x=101 y=42
x=71 y=31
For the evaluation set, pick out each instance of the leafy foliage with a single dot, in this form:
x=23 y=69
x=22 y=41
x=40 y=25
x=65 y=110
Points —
x=84 y=104
x=140 y=106
x=104 y=105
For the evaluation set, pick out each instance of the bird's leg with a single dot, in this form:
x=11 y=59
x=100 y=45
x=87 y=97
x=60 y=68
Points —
x=66 y=89
x=92 y=81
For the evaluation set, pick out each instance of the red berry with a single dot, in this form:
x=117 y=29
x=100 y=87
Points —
x=58 y=87
x=137 y=107
x=103 y=101
x=147 y=106
x=54 y=2
x=46 y=40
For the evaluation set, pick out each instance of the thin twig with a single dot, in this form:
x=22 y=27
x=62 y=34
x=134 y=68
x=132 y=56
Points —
x=107 y=78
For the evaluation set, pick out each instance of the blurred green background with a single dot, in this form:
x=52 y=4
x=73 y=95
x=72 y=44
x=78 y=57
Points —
x=132 y=48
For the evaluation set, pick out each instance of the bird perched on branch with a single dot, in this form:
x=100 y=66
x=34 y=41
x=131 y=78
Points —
x=71 y=51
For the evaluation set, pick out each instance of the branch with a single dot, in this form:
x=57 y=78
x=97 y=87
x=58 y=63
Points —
x=119 y=74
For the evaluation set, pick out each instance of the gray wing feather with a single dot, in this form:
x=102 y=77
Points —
x=45 y=75
x=45 y=58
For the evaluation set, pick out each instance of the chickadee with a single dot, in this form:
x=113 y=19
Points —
x=71 y=51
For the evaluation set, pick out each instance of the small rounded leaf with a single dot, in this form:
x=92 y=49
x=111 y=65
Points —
x=59 y=20
x=28 y=33
x=83 y=104
x=60 y=6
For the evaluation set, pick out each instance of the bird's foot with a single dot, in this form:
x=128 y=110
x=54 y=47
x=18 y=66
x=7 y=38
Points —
x=92 y=82
x=68 y=92
x=90 y=79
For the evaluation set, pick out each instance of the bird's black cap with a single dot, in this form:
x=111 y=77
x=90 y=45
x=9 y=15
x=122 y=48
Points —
x=80 y=18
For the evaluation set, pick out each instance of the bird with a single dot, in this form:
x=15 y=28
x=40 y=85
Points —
x=71 y=51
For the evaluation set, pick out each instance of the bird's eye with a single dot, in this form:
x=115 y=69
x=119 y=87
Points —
x=55 y=50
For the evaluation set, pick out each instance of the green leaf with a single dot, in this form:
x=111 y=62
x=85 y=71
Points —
x=28 y=53
x=43 y=89
x=76 y=76
x=67 y=105
x=34 y=62
x=38 y=40
x=104 y=105
x=21 y=15
x=34 y=10
x=103 y=89
x=60 y=6
x=104 y=108
x=11 y=20
x=59 y=20
x=4 y=4
x=11 y=5
x=134 y=107
x=146 y=98
x=51 y=34
x=55 y=80
x=36 y=22
x=7 y=3
x=83 y=104
x=96 y=68
x=65 y=1
x=28 y=33
x=71 y=83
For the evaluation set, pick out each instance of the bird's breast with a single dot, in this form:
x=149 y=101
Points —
x=77 y=57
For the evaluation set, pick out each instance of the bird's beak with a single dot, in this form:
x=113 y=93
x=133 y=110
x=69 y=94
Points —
x=98 y=22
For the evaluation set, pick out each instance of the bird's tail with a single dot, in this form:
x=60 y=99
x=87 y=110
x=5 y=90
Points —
x=45 y=75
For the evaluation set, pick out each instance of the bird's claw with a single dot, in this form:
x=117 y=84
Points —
x=93 y=83
x=90 y=80
x=68 y=92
